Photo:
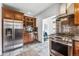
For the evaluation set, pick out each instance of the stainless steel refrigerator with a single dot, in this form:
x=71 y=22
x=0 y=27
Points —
x=12 y=34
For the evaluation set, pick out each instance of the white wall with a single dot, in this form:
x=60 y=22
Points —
x=39 y=25
x=51 y=11
x=63 y=8
x=49 y=25
x=0 y=30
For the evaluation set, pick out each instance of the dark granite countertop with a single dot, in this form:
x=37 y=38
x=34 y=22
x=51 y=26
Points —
x=74 y=37
x=67 y=40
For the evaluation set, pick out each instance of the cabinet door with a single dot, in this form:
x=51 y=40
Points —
x=7 y=13
x=31 y=37
x=26 y=38
x=34 y=23
x=25 y=20
x=18 y=16
x=76 y=10
x=76 y=48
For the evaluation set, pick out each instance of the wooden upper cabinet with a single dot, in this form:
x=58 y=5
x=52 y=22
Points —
x=11 y=14
x=18 y=15
x=25 y=17
x=7 y=13
x=76 y=10
x=34 y=22
x=30 y=21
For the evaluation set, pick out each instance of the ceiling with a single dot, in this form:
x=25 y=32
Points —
x=30 y=8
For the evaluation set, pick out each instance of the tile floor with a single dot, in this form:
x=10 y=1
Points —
x=34 y=49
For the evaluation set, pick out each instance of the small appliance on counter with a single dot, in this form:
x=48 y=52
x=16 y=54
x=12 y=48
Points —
x=28 y=29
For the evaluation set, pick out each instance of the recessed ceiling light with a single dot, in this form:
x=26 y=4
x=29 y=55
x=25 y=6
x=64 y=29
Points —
x=29 y=13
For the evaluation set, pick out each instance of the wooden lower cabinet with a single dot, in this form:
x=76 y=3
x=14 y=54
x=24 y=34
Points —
x=28 y=37
x=76 y=48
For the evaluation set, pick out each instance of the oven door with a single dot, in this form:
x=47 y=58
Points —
x=59 y=48
x=7 y=36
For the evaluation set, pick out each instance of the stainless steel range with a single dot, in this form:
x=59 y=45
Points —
x=12 y=34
